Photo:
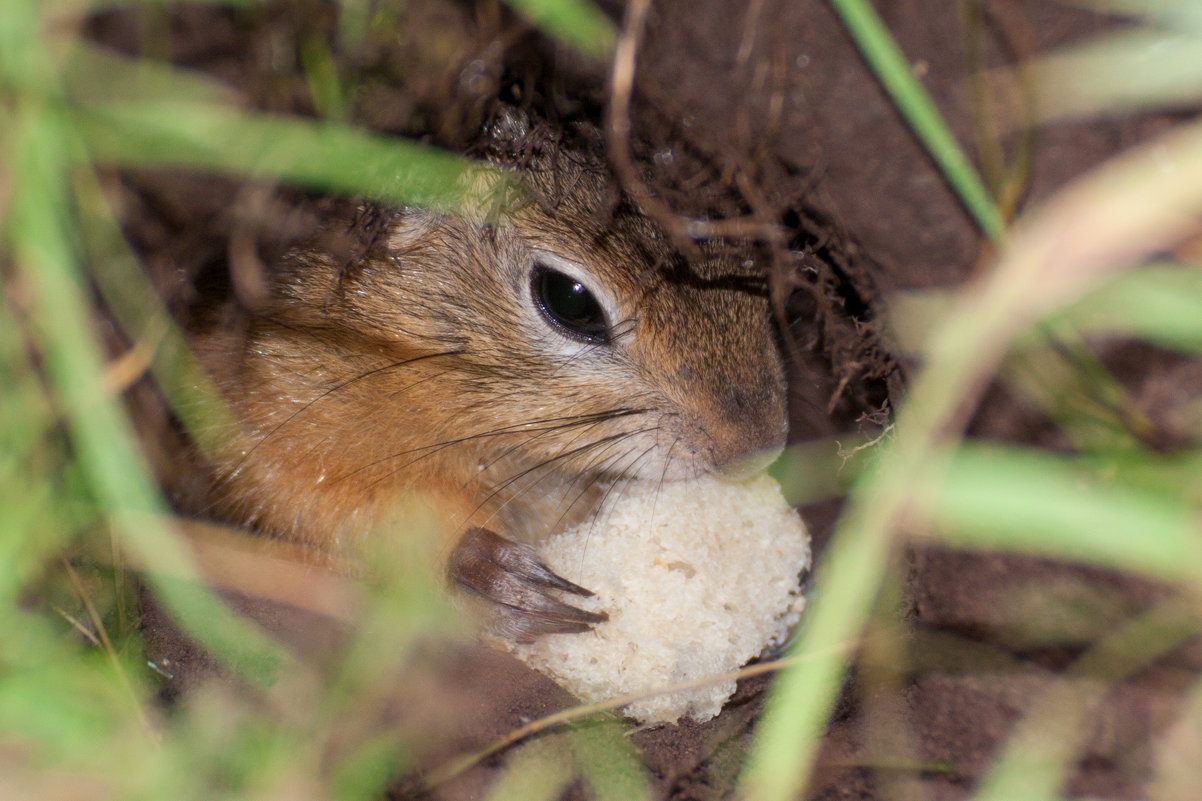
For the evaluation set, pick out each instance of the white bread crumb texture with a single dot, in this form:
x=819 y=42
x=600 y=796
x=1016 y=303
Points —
x=698 y=577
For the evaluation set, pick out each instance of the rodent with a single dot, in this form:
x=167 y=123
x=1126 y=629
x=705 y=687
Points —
x=508 y=370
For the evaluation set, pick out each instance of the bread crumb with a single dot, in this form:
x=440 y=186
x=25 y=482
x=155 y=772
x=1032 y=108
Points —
x=698 y=577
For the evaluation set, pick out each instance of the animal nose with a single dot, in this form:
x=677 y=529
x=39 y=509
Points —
x=745 y=466
x=749 y=437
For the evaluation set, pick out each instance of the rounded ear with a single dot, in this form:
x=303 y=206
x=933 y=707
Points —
x=507 y=138
x=509 y=130
x=553 y=166
x=513 y=138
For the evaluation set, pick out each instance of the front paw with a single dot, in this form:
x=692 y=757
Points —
x=517 y=587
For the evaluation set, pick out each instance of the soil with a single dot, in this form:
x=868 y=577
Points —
x=765 y=114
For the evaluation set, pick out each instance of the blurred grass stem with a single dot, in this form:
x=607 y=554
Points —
x=1124 y=211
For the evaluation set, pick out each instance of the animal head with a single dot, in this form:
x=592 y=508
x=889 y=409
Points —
x=556 y=344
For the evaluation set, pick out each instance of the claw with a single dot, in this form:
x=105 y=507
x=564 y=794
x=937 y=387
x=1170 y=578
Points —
x=511 y=576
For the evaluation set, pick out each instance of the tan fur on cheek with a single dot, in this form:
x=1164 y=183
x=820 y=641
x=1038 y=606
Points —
x=429 y=371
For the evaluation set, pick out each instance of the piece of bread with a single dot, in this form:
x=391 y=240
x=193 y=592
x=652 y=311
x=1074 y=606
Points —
x=698 y=577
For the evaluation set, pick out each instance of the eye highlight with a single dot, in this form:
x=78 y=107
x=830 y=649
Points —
x=568 y=305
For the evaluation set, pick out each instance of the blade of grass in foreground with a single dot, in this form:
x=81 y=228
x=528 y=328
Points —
x=577 y=22
x=537 y=772
x=140 y=313
x=1158 y=304
x=1147 y=68
x=40 y=235
x=1041 y=750
x=93 y=74
x=314 y=154
x=1111 y=218
x=1020 y=500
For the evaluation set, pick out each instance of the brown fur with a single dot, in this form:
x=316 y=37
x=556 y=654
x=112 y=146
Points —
x=425 y=368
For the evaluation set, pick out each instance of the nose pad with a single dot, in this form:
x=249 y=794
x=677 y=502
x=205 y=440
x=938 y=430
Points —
x=746 y=431
x=738 y=452
x=748 y=463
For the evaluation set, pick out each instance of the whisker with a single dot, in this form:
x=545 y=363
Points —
x=498 y=488
x=624 y=478
x=566 y=361
x=315 y=448
x=583 y=431
x=602 y=504
x=407 y=387
x=628 y=475
x=334 y=389
x=663 y=473
x=548 y=424
x=624 y=327
x=608 y=440
x=593 y=474
x=601 y=467
x=592 y=471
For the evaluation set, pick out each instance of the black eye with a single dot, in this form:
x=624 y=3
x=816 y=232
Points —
x=568 y=305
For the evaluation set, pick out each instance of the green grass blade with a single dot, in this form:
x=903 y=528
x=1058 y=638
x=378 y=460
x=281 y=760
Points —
x=914 y=102
x=139 y=311
x=313 y=154
x=1019 y=500
x=814 y=471
x=537 y=772
x=793 y=723
x=40 y=234
x=608 y=762
x=93 y=74
x=1036 y=760
x=1186 y=13
x=60 y=8
x=1128 y=71
x=577 y=22
x=1159 y=304
x=1106 y=220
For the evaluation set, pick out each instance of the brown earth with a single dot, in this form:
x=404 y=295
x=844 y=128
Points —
x=765 y=114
